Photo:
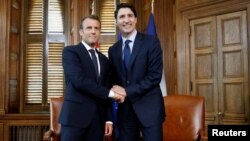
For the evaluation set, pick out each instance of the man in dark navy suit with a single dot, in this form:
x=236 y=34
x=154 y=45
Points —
x=136 y=61
x=86 y=113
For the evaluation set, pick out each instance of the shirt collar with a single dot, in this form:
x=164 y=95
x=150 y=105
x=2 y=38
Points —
x=87 y=46
x=131 y=37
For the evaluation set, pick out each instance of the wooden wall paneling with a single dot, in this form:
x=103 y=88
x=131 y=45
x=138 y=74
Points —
x=4 y=22
x=14 y=57
x=77 y=10
x=127 y=1
x=140 y=14
x=1 y=132
x=83 y=9
x=191 y=4
x=67 y=18
x=165 y=24
x=73 y=18
x=21 y=84
x=181 y=54
x=71 y=23
x=146 y=13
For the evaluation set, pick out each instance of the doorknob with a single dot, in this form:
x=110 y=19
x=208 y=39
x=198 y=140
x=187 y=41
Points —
x=220 y=114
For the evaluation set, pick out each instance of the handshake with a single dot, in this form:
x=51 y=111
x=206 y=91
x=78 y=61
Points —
x=119 y=93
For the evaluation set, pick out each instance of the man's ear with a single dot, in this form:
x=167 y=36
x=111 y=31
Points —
x=80 y=31
x=116 y=24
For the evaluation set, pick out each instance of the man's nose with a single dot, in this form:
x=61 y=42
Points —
x=93 y=30
x=126 y=19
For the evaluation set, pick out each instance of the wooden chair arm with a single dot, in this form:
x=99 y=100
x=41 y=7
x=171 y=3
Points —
x=204 y=135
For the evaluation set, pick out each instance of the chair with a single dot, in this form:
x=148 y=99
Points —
x=53 y=134
x=185 y=118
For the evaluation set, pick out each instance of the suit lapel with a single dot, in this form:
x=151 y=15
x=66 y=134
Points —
x=119 y=54
x=86 y=57
x=84 y=52
x=101 y=66
x=136 y=49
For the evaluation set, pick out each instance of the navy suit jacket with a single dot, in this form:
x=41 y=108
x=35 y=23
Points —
x=84 y=93
x=142 y=80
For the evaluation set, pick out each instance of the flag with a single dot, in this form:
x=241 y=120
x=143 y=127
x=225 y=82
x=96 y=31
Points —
x=151 y=30
x=97 y=45
x=115 y=109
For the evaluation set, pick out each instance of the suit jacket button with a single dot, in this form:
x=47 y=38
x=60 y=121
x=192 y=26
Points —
x=127 y=81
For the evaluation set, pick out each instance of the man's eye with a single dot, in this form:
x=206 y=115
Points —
x=121 y=17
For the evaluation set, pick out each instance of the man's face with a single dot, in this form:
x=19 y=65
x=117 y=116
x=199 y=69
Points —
x=126 y=21
x=90 y=32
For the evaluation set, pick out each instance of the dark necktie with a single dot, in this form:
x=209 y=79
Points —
x=94 y=60
x=127 y=54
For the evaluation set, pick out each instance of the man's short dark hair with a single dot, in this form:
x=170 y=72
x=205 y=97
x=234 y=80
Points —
x=93 y=17
x=125 y=5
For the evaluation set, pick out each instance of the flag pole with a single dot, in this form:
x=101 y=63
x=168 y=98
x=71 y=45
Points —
x=152 y=6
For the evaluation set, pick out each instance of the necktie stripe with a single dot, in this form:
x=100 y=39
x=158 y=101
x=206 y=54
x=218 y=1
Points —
x=94 y=60
x=127 y=54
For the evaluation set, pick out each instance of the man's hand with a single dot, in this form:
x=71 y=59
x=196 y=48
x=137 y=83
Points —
x=120 y=93
x=119 y=90
x=119 y=98
x=108 y=129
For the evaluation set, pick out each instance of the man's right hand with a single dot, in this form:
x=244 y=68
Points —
x=120 y=93
x=119 y=98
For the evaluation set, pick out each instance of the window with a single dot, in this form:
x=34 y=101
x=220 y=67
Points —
x=44 y=40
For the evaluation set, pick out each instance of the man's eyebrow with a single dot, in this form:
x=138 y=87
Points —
x=131 y=14
x=120 y=16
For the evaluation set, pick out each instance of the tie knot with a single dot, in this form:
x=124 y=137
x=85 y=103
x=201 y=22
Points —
x=127 y=42
x=92 y=51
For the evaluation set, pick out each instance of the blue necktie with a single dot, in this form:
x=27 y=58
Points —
x=94 y=60
x=127 y=54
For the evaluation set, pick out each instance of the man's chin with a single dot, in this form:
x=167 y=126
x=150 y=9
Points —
x=128 y=30
x=126 y=33
x=92 y=44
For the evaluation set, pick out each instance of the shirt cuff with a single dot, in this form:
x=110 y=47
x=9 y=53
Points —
x=111 y=94
x=110 y=122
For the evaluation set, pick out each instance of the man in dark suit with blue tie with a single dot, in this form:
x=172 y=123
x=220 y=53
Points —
x=86 y=113
x=136 y=61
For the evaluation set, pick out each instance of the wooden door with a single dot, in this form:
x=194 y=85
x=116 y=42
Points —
x=219 y=66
